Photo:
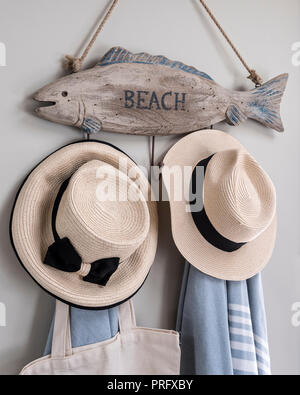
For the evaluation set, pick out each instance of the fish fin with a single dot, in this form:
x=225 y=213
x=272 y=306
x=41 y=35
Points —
x=235 y=115
x=121 y=55
x=91 y=126
x=265 y=102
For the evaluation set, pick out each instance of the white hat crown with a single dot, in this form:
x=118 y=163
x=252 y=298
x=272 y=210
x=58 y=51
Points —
x=103 y=213
x=239 y=197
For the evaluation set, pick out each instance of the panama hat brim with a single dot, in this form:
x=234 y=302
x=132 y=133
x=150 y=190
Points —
x=31 y=231
x=239 y=265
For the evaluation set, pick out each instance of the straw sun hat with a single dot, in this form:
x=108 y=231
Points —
x=84 y=228
x=231 y=235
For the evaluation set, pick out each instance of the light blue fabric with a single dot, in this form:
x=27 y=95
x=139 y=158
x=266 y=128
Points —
x=222 y=326
x=89 y=327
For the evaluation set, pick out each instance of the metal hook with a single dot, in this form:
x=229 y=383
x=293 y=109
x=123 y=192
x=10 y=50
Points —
x=86 y=135
x=153 y=151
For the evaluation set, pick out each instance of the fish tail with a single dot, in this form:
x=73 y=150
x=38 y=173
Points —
x=265 y=102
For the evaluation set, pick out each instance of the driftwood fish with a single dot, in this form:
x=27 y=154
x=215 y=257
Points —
x=152 y=95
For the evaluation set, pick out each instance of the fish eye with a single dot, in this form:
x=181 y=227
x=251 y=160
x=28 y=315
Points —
x=64 y=94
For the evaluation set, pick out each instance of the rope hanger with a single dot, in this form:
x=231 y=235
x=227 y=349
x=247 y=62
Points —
x=253 y=76
x=74 y=64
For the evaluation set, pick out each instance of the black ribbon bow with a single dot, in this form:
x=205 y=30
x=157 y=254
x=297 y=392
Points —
x=62 y=256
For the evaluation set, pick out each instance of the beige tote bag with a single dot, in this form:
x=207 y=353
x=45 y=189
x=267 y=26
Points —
x=133 y=351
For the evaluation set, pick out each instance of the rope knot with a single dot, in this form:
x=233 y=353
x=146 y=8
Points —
x=73 y=64
x=255 y=78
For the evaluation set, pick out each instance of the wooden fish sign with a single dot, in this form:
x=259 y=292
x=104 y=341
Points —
x=152 y=95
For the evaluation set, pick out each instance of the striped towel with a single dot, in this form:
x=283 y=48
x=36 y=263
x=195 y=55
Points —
x=223 y=326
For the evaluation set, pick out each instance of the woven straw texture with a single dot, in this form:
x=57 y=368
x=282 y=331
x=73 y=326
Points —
x=240 y=201
x=97 y=229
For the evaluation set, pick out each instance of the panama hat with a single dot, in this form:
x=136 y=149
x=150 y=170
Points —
x=230 y=235
x=83 y=225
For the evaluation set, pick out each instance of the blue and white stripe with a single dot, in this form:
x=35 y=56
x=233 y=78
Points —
x=250 y=352
x=223 y=326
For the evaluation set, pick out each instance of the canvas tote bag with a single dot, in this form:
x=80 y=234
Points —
x=133 y=351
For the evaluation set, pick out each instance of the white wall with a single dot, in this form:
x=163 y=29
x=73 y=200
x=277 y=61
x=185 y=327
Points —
x=37 y=33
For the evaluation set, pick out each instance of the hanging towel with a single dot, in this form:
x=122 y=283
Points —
x=222 y=326
x=88 y=327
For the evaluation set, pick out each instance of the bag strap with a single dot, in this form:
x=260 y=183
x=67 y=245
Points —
x=61 y=342
x=126 y=317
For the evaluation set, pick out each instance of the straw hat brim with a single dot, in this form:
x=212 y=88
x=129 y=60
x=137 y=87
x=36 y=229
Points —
x=236 y=266
x=31 y=232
